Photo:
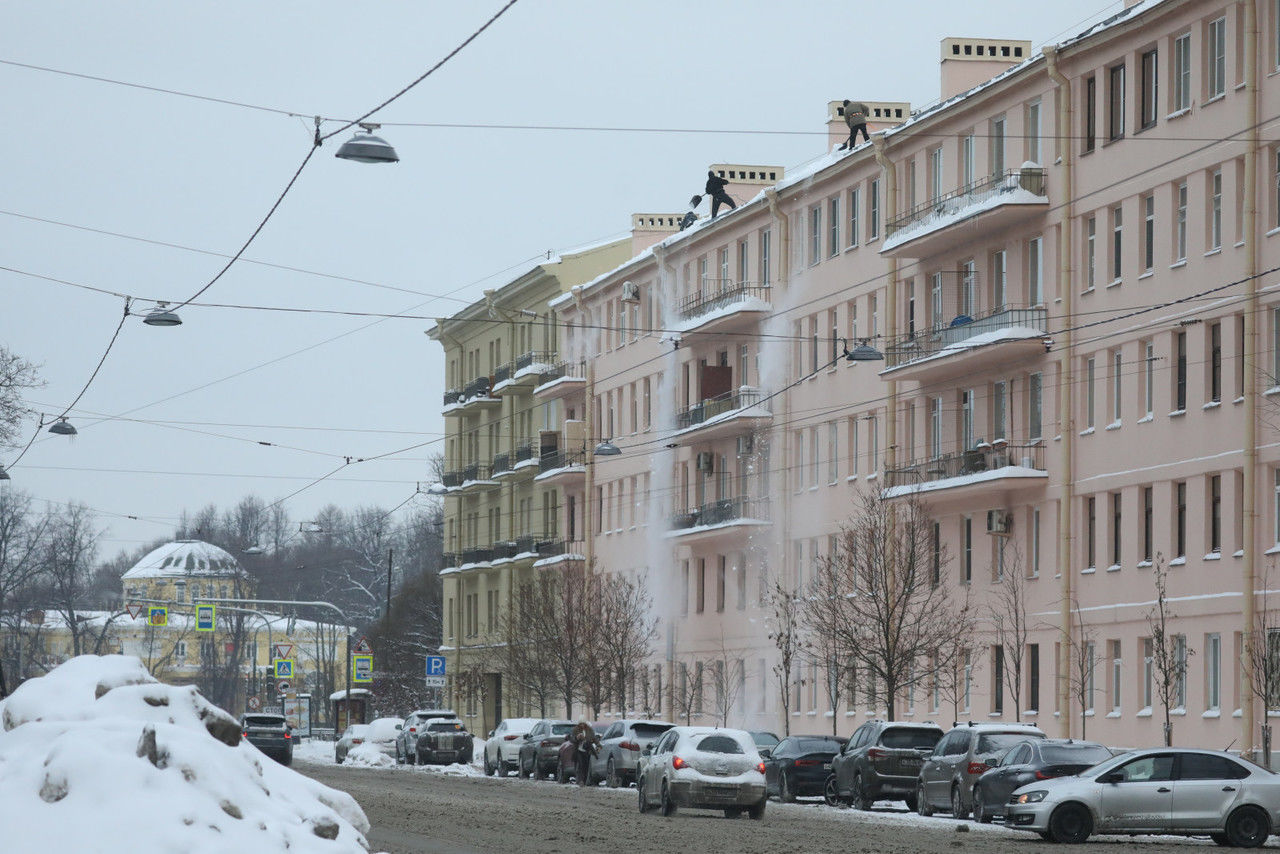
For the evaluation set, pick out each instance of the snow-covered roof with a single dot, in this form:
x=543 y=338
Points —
x=356 y=694
x=184 y=558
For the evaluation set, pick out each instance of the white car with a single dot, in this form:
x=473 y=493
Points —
x=702 y=768
x=502 y=750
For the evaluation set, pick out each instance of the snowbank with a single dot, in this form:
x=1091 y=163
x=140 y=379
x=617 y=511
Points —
x=97 y=755
x=368 y=756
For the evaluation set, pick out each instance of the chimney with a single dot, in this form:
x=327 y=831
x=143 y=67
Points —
x=883 y=115
x=971 y=62
x=649 y=228
x=746 y=181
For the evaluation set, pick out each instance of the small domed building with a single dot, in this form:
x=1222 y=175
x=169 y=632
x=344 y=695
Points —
x=185 y=570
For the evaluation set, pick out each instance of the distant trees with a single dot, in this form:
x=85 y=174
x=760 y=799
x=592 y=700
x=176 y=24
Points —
x=17 y=376
x=785 y=632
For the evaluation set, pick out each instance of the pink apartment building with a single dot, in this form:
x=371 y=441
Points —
x=1069 y=267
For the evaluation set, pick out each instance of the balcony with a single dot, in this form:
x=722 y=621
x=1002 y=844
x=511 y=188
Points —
x=730 y=414
x=451 y=479
x=561 y=380
x=986 y=206
x=553 y=552
x=474 y=556
x=450 y=560
x=729 y=517
x=981 y=469
x=525 y=547
x=722 y=305
x=477 y=478
x=474 y=396
x=969 y=345
x=562 y=467
x=522 y=373
x=452 y=398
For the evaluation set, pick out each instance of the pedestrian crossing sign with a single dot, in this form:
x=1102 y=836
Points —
x=284 y=668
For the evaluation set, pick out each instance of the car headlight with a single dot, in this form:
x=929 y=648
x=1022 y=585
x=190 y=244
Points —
x=1034 y=797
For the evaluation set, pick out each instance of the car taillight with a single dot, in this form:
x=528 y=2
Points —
x=760 y=767
x=628 y=745
x=806 y=762
x=978 y=767
x=246 y=733
x=287 y=736
x=413 y=729
x=357 y=741
x=547 y=743
x=510 y=737
x=876 y=753
x=678 y=763
x=1040 y=775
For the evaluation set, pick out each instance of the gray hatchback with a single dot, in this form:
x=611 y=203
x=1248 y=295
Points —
x=965 y=753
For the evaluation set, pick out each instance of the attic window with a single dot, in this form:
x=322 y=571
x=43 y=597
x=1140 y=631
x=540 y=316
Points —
x=898 y=112
x=968 y=50
x=1004 y=51
x=839 y=111
x=1017 y=51
x=771 y=175
x=753 y=173
x=955 y=50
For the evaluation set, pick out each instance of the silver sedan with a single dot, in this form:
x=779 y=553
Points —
x=1163 y=790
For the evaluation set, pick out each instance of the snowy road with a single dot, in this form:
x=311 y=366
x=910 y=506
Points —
x=421 y=811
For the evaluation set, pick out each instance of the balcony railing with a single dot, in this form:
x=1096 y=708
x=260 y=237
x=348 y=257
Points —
x=719 y=512
x=475 y=471
x=523 y=452
x=718 y=293
x=976 y=460
x=452 y=396
x=552 y=460
x=478 y=387
x=553 y=547
x=931 y=342
x=524 y=544
x=450 y=559
x=501 y=463
x=452 y=479
x=1031 y=180
x=718 y=405
x=477 y=555
x=576 y=370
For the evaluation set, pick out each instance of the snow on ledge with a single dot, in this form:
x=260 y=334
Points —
x=950 y=214
x=963 y=480
x=698 y=529
x=744 y=304
x=564 y=558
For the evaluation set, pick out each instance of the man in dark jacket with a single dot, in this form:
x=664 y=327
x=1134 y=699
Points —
x=691 y=216
x=855 y=116
x=715 y=189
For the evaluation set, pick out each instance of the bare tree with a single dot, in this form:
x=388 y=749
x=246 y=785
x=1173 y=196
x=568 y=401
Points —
x=784 y=631
x=881 y=593
x=686 y=690
x=68 y=565
x=1010 y=624
x=1082 y=664
x=17 y=376
x=728 y=679
x=1169 y=651
x=626 y=628
x=1262 y=658
x=22 y=534
x=824 y=647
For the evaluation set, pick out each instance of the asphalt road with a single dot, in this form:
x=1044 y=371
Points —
x=422 y=811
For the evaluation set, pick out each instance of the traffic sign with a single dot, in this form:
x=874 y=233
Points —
x=282 y=687
x=134 y=610
x=435 y=665
x=282 y=650
x=254 y=704
x=157 y=615
x=362 y=668
x=284 y=668
x=204 y=618
x=363 y=647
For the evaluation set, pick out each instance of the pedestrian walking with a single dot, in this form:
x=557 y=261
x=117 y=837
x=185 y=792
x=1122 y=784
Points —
x=855 y=116
x=715 y=189
x=691 y=216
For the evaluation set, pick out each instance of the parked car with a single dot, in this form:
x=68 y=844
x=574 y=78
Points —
x=882 y=760
x=620 y=749
x=538 y=756
x=1032 y=760
x=703 y=768
x=566 y=761
x=962 y=756
x=383 y=732
x=1184 y=792
x=442 y=741
x=269 y=733
x=798 y=765
x=351 y=737
x=407 y=741
x=763 y=741
x=502 y=749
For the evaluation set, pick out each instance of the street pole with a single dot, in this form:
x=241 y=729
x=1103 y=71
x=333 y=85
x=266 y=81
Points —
x=386 y=615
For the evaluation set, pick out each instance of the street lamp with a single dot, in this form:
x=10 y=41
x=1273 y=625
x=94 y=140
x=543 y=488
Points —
x=607 y=449
x=367 y=148
x=162 y=315
x=863 y=352
x=62 y=427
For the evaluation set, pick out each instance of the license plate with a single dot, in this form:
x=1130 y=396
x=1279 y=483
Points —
x=826 y=766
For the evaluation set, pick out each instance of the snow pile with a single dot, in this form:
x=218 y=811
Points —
x=97 y=755
x=369 y=756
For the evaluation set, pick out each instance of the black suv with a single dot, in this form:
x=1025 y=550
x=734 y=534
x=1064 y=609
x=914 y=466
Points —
x=881 y=760
x=269 y=733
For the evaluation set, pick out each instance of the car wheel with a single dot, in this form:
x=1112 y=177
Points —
x=411 y=758
x=399 y=756
x=337 y=757
x=1070 y=823
x=981 y=814
x=831 y=792
x=488 y=768
x=504 y=767
x=756 y=811
x=958 y=809
x=784 y=789
x=733 y=812
x=538 y=772
x=862 y=799
x=644 y=804
x=1248 y=827
x=611 y=778
x=667 y=806
x=1220 y=839
x=923 y=807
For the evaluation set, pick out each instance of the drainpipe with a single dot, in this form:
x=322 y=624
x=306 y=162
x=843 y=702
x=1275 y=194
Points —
x=784 y=236
x=666 y=696
x=890 y=214
x=1249 y=704
x=1066 y=287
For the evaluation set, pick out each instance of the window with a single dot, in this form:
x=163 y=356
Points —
x=935 y=577
x=700 y=586
x=1148 y=531
x=1116 y=528
x=1215 y=363
x=1091 y=252
x=1275 y=523
x=1180 y=519
x=1180 y=670
x=1033 y=131
x=935 y=427
x=999 y=280
x=1148 y=671
x=854 y=203
x=1117 y=366
x=1275 y=188
x=1180 y=371
x=911 y=307
x=1117 y=675
x=939 y=319
x=1033 y=677
x=968 y=282
x=966 y=419
x=1215 y=71
x=1034 y=395
x=833 y=224
x=1090 y=113
x=997 y=679
x=1090 y=531
x=1034 y=545
x=997 y=146
x=853 y=446
x=873 y=446
x=1117 y=229
x=966 y=550
x=721 y=572
x=1115 y=102
x=873 y=209
x=1215 y=210
x=1148 y=377
x=1091 y=654
x=833 y=453
x=1213 y=671
x=743 y=255
x=1089 y=397
x=1150 y=102
x=935 y=175
x=1035 y=278
x=1182 y=73
x=999 y=407
x=1180 y=227
x=1215 y=514
x=1148 y=233
x=815 y=234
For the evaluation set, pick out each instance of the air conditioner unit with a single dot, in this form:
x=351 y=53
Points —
x=706 y=461
x=630 y=292
x=999 y=522
x=746 y=445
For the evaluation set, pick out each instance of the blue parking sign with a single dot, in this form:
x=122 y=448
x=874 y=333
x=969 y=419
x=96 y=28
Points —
x=435 y=665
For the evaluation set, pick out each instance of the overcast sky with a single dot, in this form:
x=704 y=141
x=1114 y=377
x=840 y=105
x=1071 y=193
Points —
x=465 y=209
